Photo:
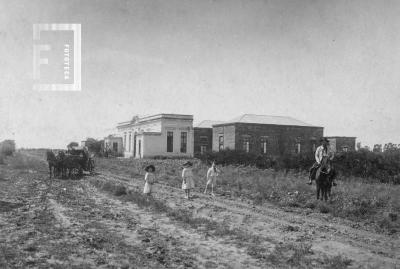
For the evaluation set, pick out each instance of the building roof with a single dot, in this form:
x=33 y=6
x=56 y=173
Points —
x=341 y=137
x=267 y=119
x=138 y=119
x=208 y=123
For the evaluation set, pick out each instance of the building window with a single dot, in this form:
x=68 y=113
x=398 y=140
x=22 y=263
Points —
x=203 y=149
x=134 y=144
x=115 y=146
x=130 y=141
x=246 y=144
x=124 y=141
x=140 y=148
x=221 y=142
x=183 y=142
x=297 y=148
x=203 y=140
x=170 y=141
x=263 y=145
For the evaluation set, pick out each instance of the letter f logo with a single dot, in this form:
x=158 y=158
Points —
x=37 y=61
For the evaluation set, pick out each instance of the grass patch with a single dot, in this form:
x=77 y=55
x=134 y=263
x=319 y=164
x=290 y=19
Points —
x=353 y=198
x=336 y=262
x=23 y=161
x=296 y=255
x=324 y=208
x=185 y=216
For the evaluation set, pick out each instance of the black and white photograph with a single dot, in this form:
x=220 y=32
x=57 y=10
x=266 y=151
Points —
x=200 y=134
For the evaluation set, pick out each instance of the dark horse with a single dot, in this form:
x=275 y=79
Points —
x=61 y=170
x=324 y=177
x=53 y=162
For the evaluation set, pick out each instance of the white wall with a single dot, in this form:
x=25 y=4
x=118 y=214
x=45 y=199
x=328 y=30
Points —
x=178 y=126
x=156 y=144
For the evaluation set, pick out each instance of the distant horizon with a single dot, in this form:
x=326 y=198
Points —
x=100 y=137
x=334 y=64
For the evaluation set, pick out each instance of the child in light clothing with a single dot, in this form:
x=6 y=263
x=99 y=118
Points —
x=149 y=179
x=212 y=175
x=187 y=179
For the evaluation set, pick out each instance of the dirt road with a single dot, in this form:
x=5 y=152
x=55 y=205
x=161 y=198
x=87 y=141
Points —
x=103 y=221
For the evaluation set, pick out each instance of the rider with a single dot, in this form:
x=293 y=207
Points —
x=322 y=151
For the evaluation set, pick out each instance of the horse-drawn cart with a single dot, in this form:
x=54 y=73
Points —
x=73 y=163
x=79 y=160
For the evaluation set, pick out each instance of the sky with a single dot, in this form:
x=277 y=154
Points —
x=334 y=64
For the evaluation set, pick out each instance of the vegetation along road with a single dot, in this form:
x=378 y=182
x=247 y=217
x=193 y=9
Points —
x=104 y=221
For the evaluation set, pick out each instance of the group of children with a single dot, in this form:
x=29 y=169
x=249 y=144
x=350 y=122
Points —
x=187 y=178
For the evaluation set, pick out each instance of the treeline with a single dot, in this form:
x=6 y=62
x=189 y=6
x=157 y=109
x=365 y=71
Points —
x=97 y=148
x=376 y=166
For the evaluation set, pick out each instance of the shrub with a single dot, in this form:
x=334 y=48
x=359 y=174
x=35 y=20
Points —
x=354 y=198
x=382 y=167
x=237 y=157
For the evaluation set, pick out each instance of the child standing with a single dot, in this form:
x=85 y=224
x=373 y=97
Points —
x=149 y=179
x=187 y=179
x=212 y=174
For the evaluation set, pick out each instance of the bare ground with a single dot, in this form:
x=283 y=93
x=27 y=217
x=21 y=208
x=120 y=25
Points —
x=84 y=224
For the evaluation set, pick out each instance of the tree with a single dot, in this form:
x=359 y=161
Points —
x=377 y=148
x=94 y=145
x=390 y=147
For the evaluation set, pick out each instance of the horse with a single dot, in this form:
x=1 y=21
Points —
x=52 y=161
x=61 y=166
x=324 y=177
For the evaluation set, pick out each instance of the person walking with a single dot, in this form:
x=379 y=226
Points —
x=187 y=178
x=212 y=175
x=149 y=179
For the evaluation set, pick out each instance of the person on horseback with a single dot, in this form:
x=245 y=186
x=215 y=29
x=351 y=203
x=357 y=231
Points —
x=322 y=151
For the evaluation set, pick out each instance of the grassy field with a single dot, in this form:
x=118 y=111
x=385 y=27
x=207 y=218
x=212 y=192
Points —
x=258 y=219
x=374 y=204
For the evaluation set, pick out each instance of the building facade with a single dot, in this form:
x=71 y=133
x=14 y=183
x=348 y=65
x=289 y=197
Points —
x=113 y=144
x=270 y=135
x=157 y=135
x=203 y=134
x=342 y=143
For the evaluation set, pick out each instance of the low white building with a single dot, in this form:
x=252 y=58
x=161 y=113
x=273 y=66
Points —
x=157 y=135
x=113 y=145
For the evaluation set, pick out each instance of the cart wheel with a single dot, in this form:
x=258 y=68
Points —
x=75 y=173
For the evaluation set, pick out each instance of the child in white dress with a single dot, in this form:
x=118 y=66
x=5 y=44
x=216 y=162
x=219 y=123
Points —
x=212 y=175
x=149 y=179
x=187 y=179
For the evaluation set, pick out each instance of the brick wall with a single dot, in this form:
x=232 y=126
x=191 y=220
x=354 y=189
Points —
x=228 y=131
x=340 y=142
x=199 y=139
x=280 y=139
